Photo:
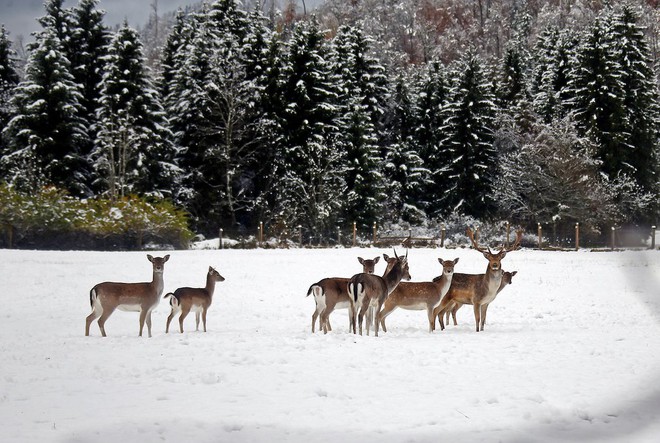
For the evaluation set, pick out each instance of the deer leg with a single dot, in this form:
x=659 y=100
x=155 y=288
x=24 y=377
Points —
x=182 y=317
x=104 y=316
x=454 y=310
x=196 y=320
x=90 y=318
x=387 y=310
x=477 y=315
x=377 y=316
x=169 y=320
x=314 y=316
x=484 y=310
x=143 y=317
x=149 y=322
x=204 y=318
x=429 y=313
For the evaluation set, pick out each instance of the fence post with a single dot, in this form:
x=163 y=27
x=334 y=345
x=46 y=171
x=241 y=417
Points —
x=577 y=236
x=442 y=236
x=300 y=235
x=540 y=232
x=375 y=233
x=613 y=237
x=354 y=234
x=10 y=236
x=261 y=233
x=508 y=234
x=652 y=236
x=338 y=236
x=220 y=239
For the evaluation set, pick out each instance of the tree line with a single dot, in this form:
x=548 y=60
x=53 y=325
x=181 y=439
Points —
x=252 y=117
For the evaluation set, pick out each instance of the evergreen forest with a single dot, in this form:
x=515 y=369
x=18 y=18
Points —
x=368 y=111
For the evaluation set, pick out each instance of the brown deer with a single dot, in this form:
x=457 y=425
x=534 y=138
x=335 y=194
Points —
x=368 y=291
x=507 y=279
x=331 y=293
x=142 y=297
x=418 y=296
x=478 y=290
x=198 y=300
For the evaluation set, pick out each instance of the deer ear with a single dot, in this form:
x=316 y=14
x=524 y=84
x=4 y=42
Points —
x=150 y=258
x=376 y=259
x=167 y=257
x=210 y=269
x=440 y=260
x=361 y=260
x=456 y=260
x=386 y=257
x=514 y=273
x=486 y=254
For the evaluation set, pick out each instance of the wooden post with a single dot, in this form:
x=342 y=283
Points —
x=300 y=235
x=652 y=236
x=442 y=236
x=375 y=233
x=540 y=232
x=613 y=237
x=354 y=234
x=508 y=234
x=577 y=236
x=261 y=233
x=220 y=240
x=10 y=236
x=338 y=236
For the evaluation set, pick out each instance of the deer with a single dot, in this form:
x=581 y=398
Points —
x=418 y=296
x=105 y=297
x=478 y=290
x=198 y=300
x=331 y=293
x=368 y=291
x=507 y=279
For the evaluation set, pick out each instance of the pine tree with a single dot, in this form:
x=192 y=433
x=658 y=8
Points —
x=48 y=131
x=88 y=44
x=471 y=161
x=362 y=95
x=8 y=81
x=310 y=169
x=640 y=100
x=599 y=96
x=133 y=151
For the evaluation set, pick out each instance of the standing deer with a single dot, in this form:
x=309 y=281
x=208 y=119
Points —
x=419 y=296
x=331 y=293
x=198 y=300
x=368 y=291
x=142 y=297
x=507 y=279
x=478 y=290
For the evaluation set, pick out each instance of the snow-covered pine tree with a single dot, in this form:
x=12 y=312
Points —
x=133 y=153
x=640 y=99
x=8 y=81
x=470 y=166
x=362 y=95
x=48 y=130
x=88 y=45
x=599 y=97
x=553 y=61
x=310 y=168
x=428 y=133
x=172 y=57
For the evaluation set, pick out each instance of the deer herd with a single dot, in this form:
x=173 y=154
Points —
x=364 y=295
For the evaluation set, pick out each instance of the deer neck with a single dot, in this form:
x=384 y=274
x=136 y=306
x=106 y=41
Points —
x=393 y=277
x=493 y=279
x=157 y=282
x=210 y=285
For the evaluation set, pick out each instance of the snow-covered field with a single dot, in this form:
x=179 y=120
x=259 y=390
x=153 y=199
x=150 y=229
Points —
x=571 y=352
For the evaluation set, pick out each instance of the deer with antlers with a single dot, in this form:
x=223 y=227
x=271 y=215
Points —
x=507 y=279
x=331 y=293
x=419 y=296
x=142 y=297
x=368 y=291
x=478 y=290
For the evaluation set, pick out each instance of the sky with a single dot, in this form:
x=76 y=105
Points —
x=19 y=16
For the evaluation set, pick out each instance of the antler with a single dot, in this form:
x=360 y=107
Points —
x=516 y=244
x=475 y=245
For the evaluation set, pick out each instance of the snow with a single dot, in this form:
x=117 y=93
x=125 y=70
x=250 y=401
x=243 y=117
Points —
x=569 y=353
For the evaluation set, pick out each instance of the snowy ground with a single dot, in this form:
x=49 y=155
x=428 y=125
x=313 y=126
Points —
x=570 y=353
